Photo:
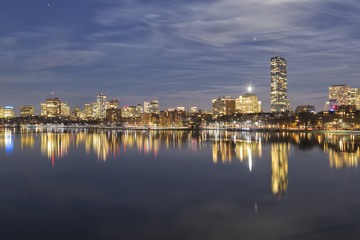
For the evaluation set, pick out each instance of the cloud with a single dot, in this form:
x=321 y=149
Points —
x=198 y=48
x=62 y=58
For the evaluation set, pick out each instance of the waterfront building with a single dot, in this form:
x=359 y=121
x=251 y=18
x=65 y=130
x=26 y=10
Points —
x=279 y=98
x=249 y=103
x=146 y=107
x=340 y=93
x=54 y=107
x=354 y=97
x=51 y=108
x=43 y=109
x=151 y=107
x=95 y=110
x=7 y=112
x=88 y=110
x=223 y=106
x=101 y=109
x=64 y=109
x=26 y=111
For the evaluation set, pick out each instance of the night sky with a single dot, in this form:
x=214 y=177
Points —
x=184 y=52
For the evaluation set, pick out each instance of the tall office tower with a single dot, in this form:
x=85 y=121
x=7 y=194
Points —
x=114 y=104
x=154 y=106
x=101 y=101
x=26 y=111
x=340 y=93
x=95 y=110
x=43 y=109
x=88 y=110
x=146 y=107
x=53 y=107
x=64 y=109
x=279 y=100
x=354 y=97
x=223 y=106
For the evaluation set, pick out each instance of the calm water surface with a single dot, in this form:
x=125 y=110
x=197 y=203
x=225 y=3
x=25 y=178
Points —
x=88 y=184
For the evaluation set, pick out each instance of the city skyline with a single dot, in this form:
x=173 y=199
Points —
x=183 y=53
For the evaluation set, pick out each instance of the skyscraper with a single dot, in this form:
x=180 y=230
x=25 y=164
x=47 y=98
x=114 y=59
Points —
x=88 y=110
x=279 y=100
x=354 y=97
x=101 y=101
x=52 y=107
x=151 y=107
x=340 y=93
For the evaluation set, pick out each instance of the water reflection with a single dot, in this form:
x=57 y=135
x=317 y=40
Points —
x=279 y=167
x=245 y=147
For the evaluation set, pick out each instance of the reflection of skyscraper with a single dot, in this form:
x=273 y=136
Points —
x=279 y=100
x=279 y=167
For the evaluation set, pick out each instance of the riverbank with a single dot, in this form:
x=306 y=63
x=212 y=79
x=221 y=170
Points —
x=151 y=128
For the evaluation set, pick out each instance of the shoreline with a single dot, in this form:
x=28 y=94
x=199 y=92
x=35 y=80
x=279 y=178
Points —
x=189 y=129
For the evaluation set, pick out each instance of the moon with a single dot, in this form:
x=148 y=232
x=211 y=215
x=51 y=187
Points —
x=254 y=38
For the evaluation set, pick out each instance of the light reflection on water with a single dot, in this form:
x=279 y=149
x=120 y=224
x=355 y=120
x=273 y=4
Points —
x=227 y=146
x=238 y=162
x=246 y=147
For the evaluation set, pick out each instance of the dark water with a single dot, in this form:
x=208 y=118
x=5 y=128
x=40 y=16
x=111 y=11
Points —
x=76 y=184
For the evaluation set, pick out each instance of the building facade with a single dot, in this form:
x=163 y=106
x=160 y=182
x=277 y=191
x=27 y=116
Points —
x=114 y=104
x=249 y=103
x=354 y=97
x=223 y=106
x=101 y=109
x=279 y=98
x=27 y=111
x=340 y=93
x=7 y=112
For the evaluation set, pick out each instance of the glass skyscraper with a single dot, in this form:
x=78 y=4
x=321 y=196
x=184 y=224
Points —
x=101 y=101
x=279 y=100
